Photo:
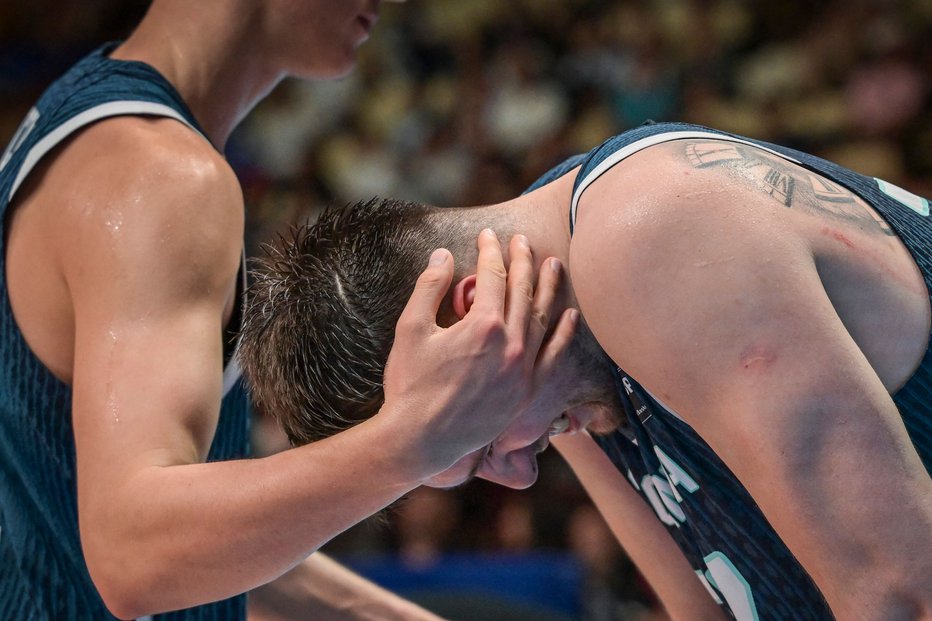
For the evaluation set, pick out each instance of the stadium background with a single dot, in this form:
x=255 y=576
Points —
x=459 y=102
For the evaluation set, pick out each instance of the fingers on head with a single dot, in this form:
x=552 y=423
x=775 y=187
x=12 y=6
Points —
x=429 y=291
x=542 y=306
x=490 y=273
x=553 y=351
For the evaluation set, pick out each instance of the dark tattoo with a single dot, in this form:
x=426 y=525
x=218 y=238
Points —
x=786 y=182
x=780 y=186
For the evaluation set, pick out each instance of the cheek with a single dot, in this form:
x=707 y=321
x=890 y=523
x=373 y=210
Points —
x=524 y=432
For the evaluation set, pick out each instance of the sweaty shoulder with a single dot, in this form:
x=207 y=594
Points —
x=146 y=187
x=677 y=242
x=654 y=236
x=650 y=202
x=129 y=209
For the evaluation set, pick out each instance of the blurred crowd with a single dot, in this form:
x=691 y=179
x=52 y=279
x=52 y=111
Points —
x=460 y=102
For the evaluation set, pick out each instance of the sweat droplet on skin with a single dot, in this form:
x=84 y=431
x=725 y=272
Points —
x=111 y=398
x=114 y=220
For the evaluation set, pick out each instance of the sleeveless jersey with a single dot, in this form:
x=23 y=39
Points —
x=713 y=519
x=43 y=576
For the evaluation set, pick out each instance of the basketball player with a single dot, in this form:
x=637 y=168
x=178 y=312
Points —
x=749 y=395
x=122 y=417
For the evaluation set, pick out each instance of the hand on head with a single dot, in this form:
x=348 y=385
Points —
x=460 y=387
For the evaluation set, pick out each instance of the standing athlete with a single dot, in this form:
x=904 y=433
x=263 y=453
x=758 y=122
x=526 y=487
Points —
x=123 y=420
x=754 y=365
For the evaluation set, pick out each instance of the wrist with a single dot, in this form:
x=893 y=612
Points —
x=401 y=443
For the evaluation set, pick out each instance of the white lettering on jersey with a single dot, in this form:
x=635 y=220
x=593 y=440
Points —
x=660 y=495
x=727 y=580
x=661 y=490
x=675 y=474
x=25 y=128
x=708 y=587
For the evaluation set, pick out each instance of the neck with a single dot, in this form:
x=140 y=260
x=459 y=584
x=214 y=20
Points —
x=543 y=216
x=211 y=53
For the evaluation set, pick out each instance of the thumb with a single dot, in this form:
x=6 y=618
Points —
x=431 y=287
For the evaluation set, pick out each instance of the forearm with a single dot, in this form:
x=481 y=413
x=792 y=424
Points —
x=188 y=534
x=324 y=590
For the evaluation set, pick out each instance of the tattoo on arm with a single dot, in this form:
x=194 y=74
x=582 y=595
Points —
x=791 y=185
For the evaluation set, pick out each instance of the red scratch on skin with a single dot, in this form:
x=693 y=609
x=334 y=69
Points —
x=838 y=236
x=757 y=356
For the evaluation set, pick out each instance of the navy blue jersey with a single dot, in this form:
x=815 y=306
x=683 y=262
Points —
x=43 y=576
x=720 y=529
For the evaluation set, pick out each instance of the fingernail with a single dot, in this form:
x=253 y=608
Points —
x=555 y=265
x=490 y=232
x=522 y=240
x=573 y=316
x=438 y=257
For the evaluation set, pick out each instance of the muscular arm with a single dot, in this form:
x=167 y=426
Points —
x=150 y=251
x=639 y=532
x=719 y=309
x=151 y=267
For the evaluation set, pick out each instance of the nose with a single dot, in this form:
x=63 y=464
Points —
x=516 y=469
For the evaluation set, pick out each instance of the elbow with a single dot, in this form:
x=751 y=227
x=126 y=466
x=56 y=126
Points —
x=122 y=603
x=121 y=597
x=125 y=592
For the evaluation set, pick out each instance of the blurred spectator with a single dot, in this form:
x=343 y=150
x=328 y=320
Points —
x=515 y=524
x=424 y=523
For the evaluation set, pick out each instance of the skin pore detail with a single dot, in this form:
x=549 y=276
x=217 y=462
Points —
x=790 y=185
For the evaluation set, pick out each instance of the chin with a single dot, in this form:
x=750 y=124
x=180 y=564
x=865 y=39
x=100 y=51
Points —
x=329 y=68
x=333 y=72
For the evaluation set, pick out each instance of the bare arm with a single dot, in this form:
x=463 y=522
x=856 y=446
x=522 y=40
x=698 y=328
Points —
x=322 y=589
x=639 y=532
x=148 y=299
x=732 y=327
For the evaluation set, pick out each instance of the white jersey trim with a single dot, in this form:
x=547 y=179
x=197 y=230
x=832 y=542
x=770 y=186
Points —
x=232 y=372
x=649 y=141
x=113 y=108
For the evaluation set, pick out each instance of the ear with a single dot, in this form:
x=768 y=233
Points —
x=463 y=295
